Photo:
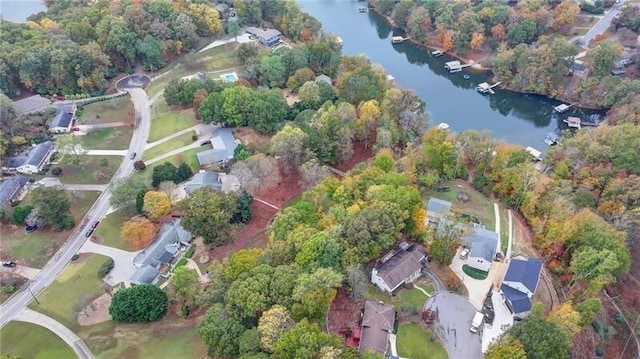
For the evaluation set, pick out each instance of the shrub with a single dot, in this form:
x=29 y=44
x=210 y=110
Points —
x=56 y=171
x=141 y=303
x=105 y=268
x=10 y=288
x=194 y=137
x=180 y=263
x=20 y=214
x=189 y=253
x=139 y=165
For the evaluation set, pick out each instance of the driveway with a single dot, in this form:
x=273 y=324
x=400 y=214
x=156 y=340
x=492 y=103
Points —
x=477 y=288
x=453 y=320
x=55 y=181
x=22 y=271
x=123 y=261
x=502 y=321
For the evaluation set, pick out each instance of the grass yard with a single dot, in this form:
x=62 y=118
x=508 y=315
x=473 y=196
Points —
x=115 y=138
x=188 y=156
x=36 y=248
x=90 y=170
x=115 y=110
x=76 y=286
x=26 y=340
x=474 y=273
x=166 y=121
x=412 y=297
x=172 y=144
x=504 y=229
x=415 y=343
x=478 y=206
x=109 y=230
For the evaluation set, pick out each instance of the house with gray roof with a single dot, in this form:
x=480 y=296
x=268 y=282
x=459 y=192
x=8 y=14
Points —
x=12 y=189
x=400 y=266
x=145 y=275
x=31 y=161
x=377 y=323
x=437 y=209
x=483 y=247
x=267 y=37
x=520 y=284
x=323 y=78
x=223 y=145
x=63 y=121
x=203 y=179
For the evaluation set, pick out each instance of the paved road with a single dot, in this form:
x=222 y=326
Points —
x=19 y=301
x=602 y=25
x=69 y=337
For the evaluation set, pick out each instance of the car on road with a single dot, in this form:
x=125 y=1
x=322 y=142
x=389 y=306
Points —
x=8 y=264
x=133 y=156
x=95 y=224
x=464 y=253
x=88 y=233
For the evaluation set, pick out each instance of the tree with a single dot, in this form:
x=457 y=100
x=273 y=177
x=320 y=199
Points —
x=140 y=303
x=309 y=95
x=20 y=213
x=272 y=325
x=124 y=193
x=139 y=165
x=290 y=144
x=273 y=70
x=156 y=204
x=314 y=292
x=506 y=348
x=523 y=32
x=566 y=318
x=402 y=11
x=304 y=340
x=241 y=153
x=165 y=172
x=8 y=115
x=313 y=172
x=498 y=32
x=240 y=262
x=247 y=52
x=184 y=173
x=299 y=78
x=477 y=41
x=243 y=212
x=233 y=29
x=70 y=147
x=541 y=338
x=185 y=284
x=138 y=232
x=140 y=201
x=209 y=214
x=220 y=331
x=604 y=57
x=54 y=206
x=565 y=14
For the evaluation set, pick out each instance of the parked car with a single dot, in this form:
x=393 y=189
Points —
x=31 y=229
x=95 y=224
x=464 y=253
x=88 y=233
x=133 y=156
x=74 y=129
x=8 y=264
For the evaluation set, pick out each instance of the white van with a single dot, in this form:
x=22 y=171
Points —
x=477 y=321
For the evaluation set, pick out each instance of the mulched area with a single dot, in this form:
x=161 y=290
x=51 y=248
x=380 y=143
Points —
x=360 y=154
x=344 y=313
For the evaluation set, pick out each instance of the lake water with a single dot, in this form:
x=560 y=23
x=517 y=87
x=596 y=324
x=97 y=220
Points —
x=19 y=10
x=516 y=118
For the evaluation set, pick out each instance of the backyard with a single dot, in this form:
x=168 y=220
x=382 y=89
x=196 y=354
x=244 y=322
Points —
x=414 y=342
x=166 y=121
x=108 y=232
x=115 y=110
x=26 y=340
x=114 y=138
x=404 y=298
x=92 y=170
x=188 y=156
x=34 y=249
x=170 y=145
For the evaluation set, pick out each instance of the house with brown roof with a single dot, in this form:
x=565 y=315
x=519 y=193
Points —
x=400 y=266
x=377 y=324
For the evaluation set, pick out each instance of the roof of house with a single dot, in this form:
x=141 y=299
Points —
x=64 y=115
x=203 y=179
x=10 y=187
x=520 y=302
x=526 y=272
x=165 y=246
x=223 y=143
x=263 y=33
x=323 y=78
x=144 y=275
x=34 y=156
x=483 y=242
x=222 y=7
x=377 y=323
x=401 y=265
x=31 y=103
x=438 y=206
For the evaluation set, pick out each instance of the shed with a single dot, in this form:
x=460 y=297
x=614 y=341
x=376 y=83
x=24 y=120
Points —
x=453 y=66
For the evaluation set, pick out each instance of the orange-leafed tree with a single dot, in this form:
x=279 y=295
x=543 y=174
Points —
x=498 y=32
x=477 y=40
x=565 y=14
x=156 y=204
x=138 y=232
x=446 y=38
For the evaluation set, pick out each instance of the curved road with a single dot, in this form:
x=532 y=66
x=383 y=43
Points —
x=17 y=303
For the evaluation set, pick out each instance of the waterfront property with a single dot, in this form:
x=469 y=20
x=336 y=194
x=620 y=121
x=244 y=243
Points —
x=537 y=155
x=31 y=161
x=377 y=323
x=267 y=37
x=12 y=191
x=437 y=53
x=562 y=108
x=437 y=210
x=453 y=66
x=574 y=122
x=223 y=143
x=486 y=88
x=400 y=266
x=484 y=244
x=63 y=121
x=520 y=284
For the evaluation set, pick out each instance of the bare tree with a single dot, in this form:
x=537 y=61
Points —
x=313 y=172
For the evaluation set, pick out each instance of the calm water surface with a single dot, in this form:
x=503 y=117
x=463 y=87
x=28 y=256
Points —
x=516 y=118
x=19 y=10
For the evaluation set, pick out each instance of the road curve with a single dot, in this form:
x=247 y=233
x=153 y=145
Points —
x=69 y=337
x=602 y=25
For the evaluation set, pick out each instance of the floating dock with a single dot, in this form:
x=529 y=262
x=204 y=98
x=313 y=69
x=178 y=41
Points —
x=537 y=155
x=455 y=66
x=573 y=122
x=437 y=53
x=398 y=39
x=363 y=9
x=562 y=108
x=486 y=88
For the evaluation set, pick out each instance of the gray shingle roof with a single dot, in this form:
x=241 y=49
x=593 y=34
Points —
x=400 y=266
x=203 y=179
x=34 y=156
x=437 y=207
x=518 y=301
x=223 y=143
x=10 y=187
x=377 y=323
x=526 y=272
x=64 y=116
x=144 y=275
x=264 y=34
x=165 y=246
x=483 y=243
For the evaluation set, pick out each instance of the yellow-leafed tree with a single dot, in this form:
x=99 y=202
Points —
x=156 y=204
x=138 y=232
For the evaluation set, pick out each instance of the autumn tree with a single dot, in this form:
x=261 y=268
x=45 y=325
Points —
x=209 y=213
x=498 y=32
x=604 y=56
x=289 y=143
x=304 y=340
x=541 y=338
x=314 y=292
x=138 y=232
x=565 y=14
x=567 y=318
x=506 y=348
x=368 y=120
x=272 y=324
x=477 y=41
x=299 y=78
x=156 y=204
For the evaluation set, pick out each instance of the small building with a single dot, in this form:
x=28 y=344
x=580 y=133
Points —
x=574 y=122
x=562 y=108
x=31 y=161
x=453 y=66
x=323 y=78
x=222 y=9
x=267 y=37
x=12 y=190
x=400 y=266
x=31 y=104
x=520 y=284
x=484 y=244
x=378 y=322
x=63 y=121
x=203 y=179
x=223 y=143
x=437 y=209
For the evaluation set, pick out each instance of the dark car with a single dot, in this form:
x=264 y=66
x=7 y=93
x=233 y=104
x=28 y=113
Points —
x=133 y=156
x=31 y=229
x=8 y=264
x=95 y=224
x=88 y=232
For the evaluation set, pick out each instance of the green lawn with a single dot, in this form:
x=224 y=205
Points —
x=188 y=156
x=172 y=144
x=504 y=229
x=109 y=230
x=414 y=297
x=166 y=121
x=479 y=205
x=415 y=343
x=116 y=110
x=76 y=286
x=115 y=138
x=89 y=171
x=26 y=340
x=36 y=248
x=474 y=273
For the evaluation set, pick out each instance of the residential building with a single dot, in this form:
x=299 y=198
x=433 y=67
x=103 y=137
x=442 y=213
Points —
x=400 y=266
x=377 y=323
x=483 y=247
x=223 y=10
x=171 y=237
x=203 y=179
x=267 y=37
x=437 y=209
x=31 y=161
x=520 y=284
x=223 y=143
x=12 y=190
x=323 y=78
x=63 y=121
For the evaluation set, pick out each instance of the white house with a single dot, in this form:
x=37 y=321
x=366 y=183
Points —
x=398 y=267
x=63 y=122
x=30 y=162
x=520 y=284
x=483 y=247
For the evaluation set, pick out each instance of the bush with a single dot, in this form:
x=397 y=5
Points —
x=10 y=288
x=189 y=253
x=56 y=171
x=194 y=137
x=105 y=268
x=20 y=214
x=180 y=263
x=139 y=165
x=141 y=303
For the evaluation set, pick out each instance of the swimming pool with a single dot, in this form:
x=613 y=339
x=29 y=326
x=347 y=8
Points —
x=230 y=77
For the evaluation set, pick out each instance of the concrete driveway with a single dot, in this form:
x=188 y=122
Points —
x=478 y=289
x=502 y=321
x=123 y=266
x=453 y=321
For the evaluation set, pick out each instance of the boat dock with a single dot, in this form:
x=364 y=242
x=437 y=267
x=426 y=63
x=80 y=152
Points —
x=486 y=88
x=437 y=53
x=363 y=9
x=576 y=122
x=398 y=39
x=456 y=66
x=562 y=108
x=552 y=138
x=537 y=155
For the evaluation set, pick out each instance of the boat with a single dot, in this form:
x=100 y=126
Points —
x=363 y=9
x=437 y=53
x=552 y=138
x=397 y=39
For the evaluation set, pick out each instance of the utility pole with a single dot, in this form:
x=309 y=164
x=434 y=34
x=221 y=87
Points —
x=34 y=297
